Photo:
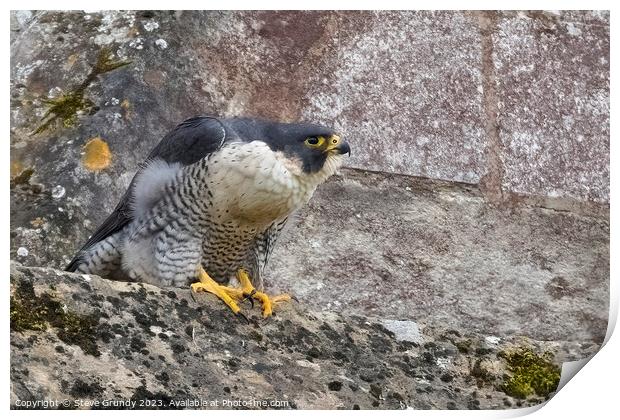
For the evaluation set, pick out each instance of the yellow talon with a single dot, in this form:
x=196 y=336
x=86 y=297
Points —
x=266 y=301
x=232 y=295
x=207 y=284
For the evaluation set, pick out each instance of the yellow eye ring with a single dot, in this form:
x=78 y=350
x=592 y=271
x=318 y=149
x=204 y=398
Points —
x=317 y=141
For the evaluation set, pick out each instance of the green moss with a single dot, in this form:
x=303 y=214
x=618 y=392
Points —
x=66 y=107
x=79 y=330
x=531 y=374
x=23 y=318
x=104 y=64
x=38 y=313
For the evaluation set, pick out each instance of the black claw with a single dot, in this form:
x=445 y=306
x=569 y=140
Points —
x=247 y=296
x=295 y=298
x=193 y=294
x=245 y=318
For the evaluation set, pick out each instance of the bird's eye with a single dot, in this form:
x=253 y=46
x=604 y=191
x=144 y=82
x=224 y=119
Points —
x=315 y=141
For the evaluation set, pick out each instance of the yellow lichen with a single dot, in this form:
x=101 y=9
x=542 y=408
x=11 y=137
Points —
x=97 y=155
x=126 y=105
x=16 y=168
x=37 y=223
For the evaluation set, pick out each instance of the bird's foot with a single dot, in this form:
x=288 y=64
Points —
x=207 y=284
x=249 y=292
x=232 y=295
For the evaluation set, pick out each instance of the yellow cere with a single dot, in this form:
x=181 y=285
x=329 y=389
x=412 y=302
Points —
x=334 y=140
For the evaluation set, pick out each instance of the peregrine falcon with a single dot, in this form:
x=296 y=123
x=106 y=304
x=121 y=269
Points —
x=208 y=205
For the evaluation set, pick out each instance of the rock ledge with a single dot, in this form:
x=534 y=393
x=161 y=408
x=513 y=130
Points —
x=105 y=344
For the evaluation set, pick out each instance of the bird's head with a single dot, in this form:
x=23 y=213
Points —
x=309 y=148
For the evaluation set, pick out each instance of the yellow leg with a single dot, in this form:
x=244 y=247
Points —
x=207 y=284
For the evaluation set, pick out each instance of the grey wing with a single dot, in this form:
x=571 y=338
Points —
x=189 y=142
x=261 y=251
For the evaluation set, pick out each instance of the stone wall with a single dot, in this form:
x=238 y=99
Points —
x=515 y=101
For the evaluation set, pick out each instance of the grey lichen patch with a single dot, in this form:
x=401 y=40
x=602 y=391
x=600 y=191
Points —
x=483 y=371
x=404 y=330
x=66 y=107
x=531 y=373
x=38 y=313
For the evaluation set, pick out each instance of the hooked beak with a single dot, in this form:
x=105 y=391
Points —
x=338 y=146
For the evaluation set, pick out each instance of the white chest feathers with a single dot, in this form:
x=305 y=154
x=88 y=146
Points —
x=248 y=183
x=252 y=183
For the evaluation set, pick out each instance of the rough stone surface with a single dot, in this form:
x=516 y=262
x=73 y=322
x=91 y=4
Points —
x=553 y=91
x=406 y=88
x=408 y=249
x=156 y=346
